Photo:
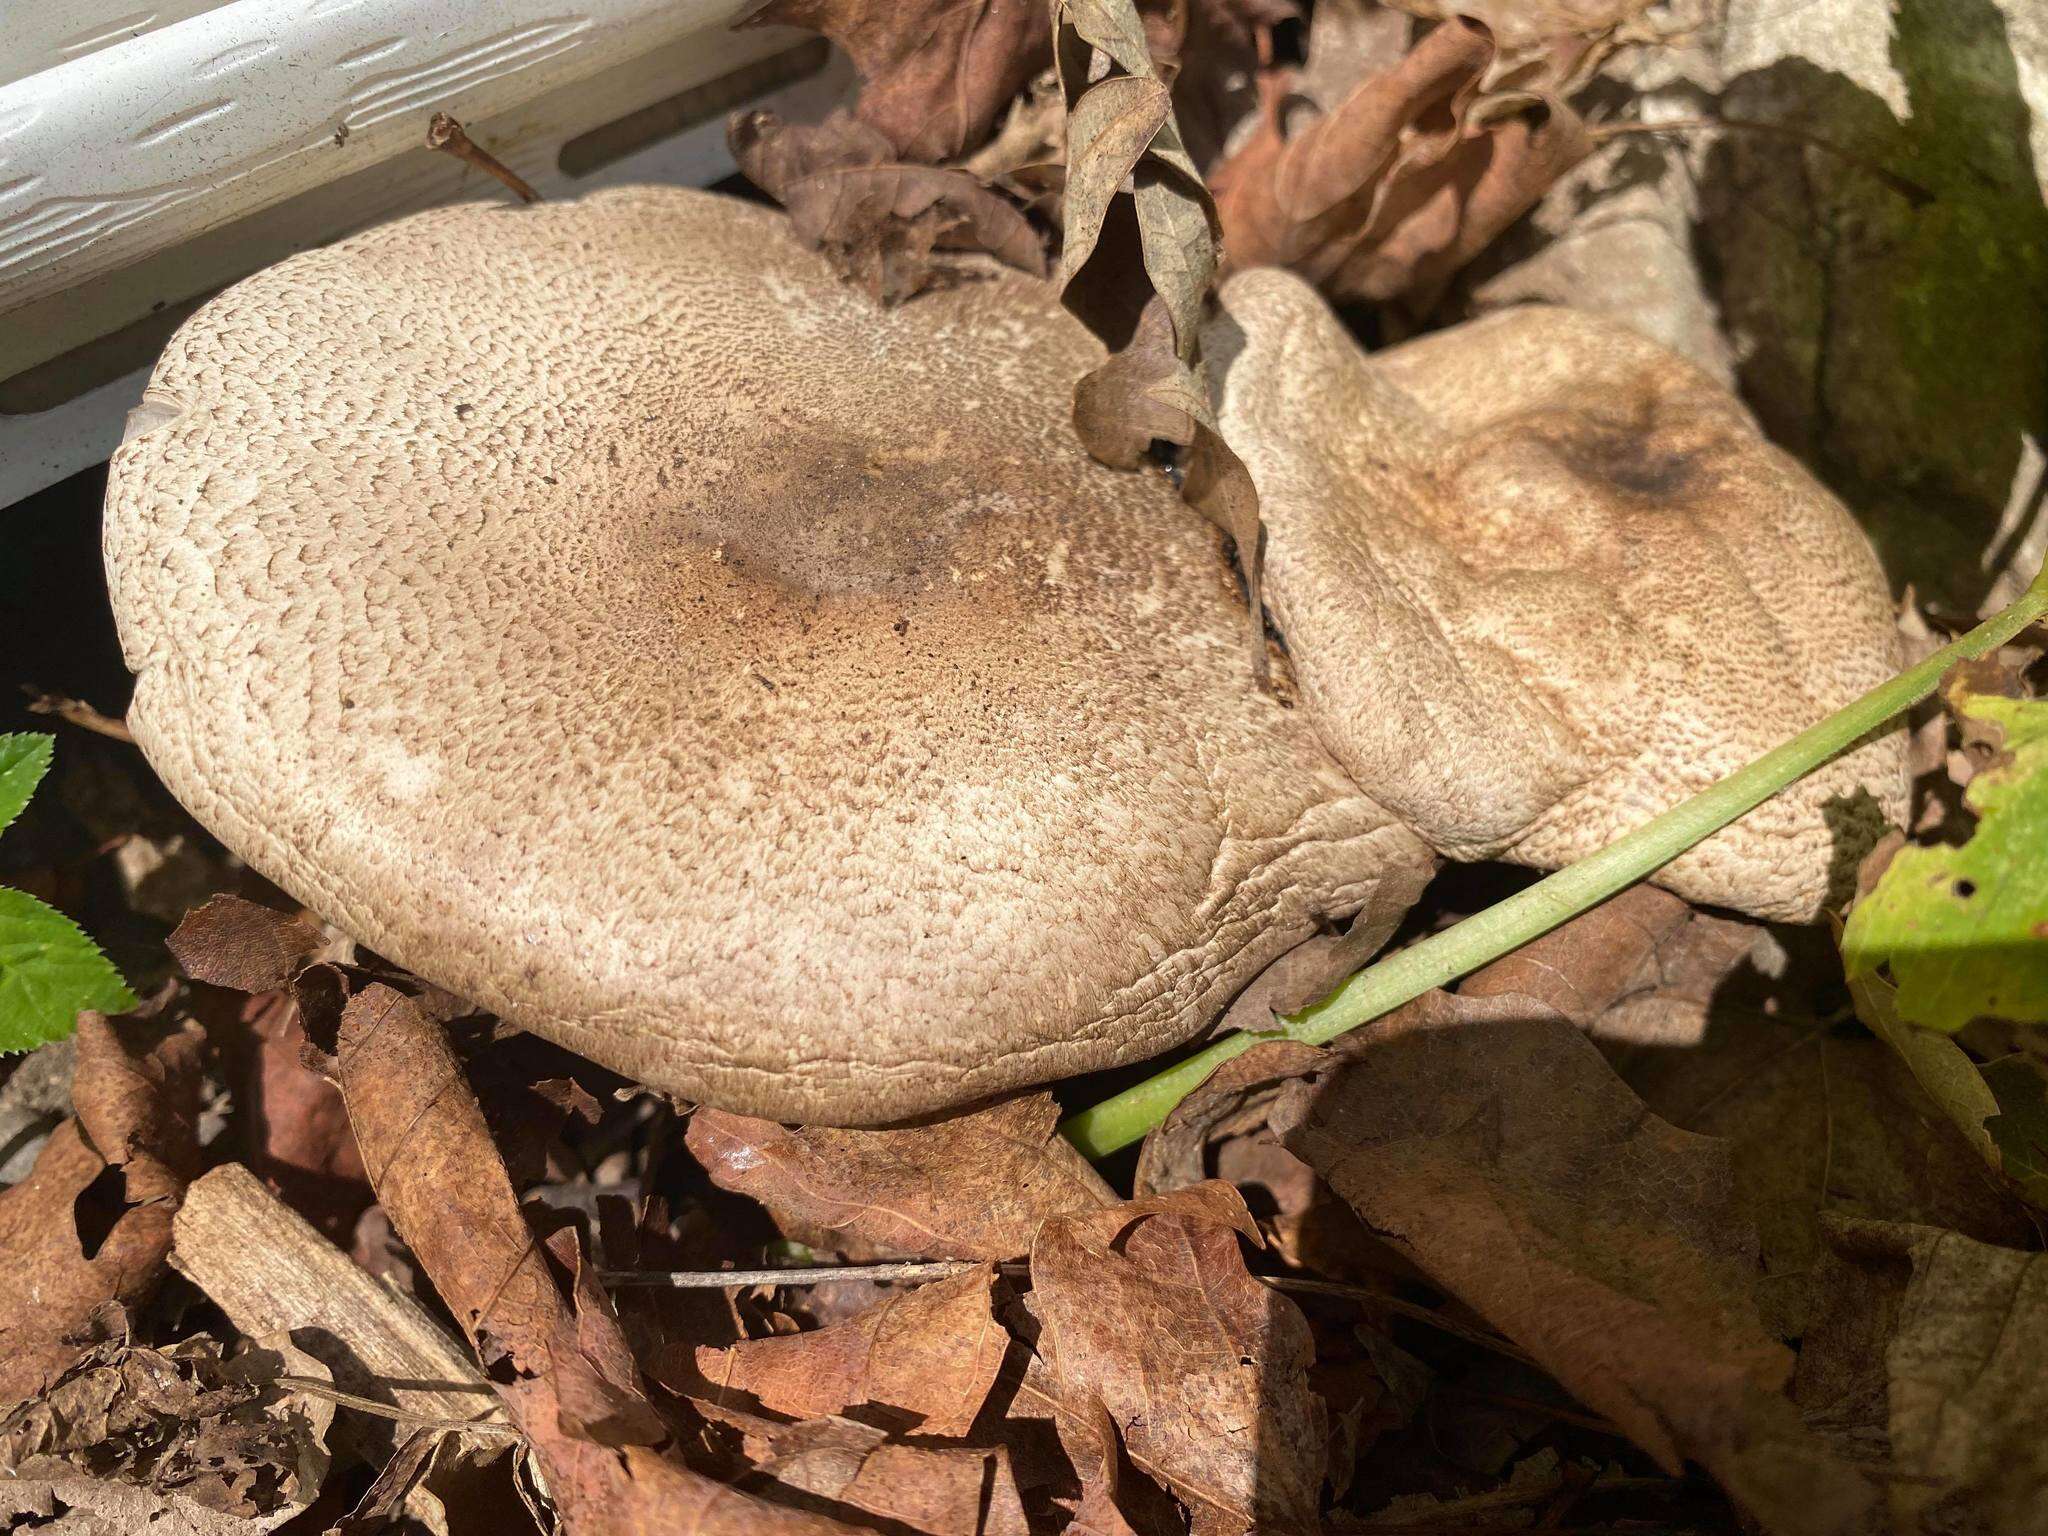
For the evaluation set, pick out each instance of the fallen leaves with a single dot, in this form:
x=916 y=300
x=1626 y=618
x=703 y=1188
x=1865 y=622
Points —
x=92 y=1221
x=1511 y=1164
x=923 y=1359
x=1148 y=1310
x=935 y=74
x=1419 y=168
x=1935 y=1350
x=876 y=217
x=972 y=1186
x=178 y=1440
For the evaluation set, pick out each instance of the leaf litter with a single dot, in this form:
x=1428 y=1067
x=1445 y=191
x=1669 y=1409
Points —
x=1641 y=1202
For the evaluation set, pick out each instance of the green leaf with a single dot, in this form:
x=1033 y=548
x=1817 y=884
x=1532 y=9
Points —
x=49 y=970
x=1964 y=930
x=24 y=759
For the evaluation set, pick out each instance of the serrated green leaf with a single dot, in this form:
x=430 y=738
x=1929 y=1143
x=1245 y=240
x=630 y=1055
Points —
x=49 y=970
x=24 y=759
x=1964 y=930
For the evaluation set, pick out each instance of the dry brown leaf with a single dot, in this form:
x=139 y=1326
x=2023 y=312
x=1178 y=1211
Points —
x=92 y=1221
x=935 y=74
x=933 y=1490
x=180 y=1440
x=1505 y=1158
x=1641 y=968
x=561 y=1364
x=1415 y=171
x=1148 y=1309
x=1521 y=24
x=922 y=1361
x=1941 y=1337
x=972 y=1186
x=233 y=943
x=1816 y=1120
x=877 y=219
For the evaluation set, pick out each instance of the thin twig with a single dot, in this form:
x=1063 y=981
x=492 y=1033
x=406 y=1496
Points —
x=916 y=1271
x=797 y=1274
x=77 y=712
x=444 y=133
x=1905 y=186
x=312 y=1387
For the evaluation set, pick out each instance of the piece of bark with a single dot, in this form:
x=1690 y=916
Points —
x=267 y=1268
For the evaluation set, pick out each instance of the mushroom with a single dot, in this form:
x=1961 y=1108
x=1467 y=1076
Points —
x=599 y=610
x=1541 y=579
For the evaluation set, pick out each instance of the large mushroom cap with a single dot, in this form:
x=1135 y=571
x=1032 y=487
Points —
x=1541 y=579
x=599 y=610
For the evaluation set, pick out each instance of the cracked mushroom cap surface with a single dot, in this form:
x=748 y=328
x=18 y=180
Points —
x=599 y=610
x=1542 y=579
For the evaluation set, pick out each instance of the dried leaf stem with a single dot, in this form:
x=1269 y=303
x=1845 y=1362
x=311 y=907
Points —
x=1485 y=936
x=445 y=133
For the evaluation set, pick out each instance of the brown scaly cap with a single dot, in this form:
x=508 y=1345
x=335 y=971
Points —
x=603 y=612
x=1541 y=579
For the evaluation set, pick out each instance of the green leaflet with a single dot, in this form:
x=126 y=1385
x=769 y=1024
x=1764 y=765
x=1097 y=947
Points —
x=24 y=759
x=1964 y=930
x=49 y=969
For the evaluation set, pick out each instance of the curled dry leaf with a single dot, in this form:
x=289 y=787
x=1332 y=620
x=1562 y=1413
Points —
x=1509 y=1162
x=1148 y=1309
x=877 y=219
x=922 y=1359
x=1410 y=176
x=1123 y=142
x=92 y=1221
x=972 y=1186
x=561 y=1364
x=238 y=944
x=935 y=74
x=933 y=1490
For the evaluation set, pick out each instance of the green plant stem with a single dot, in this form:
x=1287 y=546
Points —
x=1485 y=936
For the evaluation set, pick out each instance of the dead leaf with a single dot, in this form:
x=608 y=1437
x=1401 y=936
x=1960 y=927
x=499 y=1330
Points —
x=560 y=1362
x=1641 y=968
x=1955 y=1388
x=971 y=1186
x=237 y=944
x=1818 y=1120
x=92 y=1221
x=877 y=219
x=1149 y=1310
x=1521 y=24
x=1386 y=196
x=178 y=1440
x=921 y=1361
x=1511 y=1164
x=935 y=74
x=936 y=1490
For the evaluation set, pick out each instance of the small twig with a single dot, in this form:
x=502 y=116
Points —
x=77 y=712
x=313 y=1387
x=1905 y=186
x=444 y=133
x=919 y=1270
x=796 y=1274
